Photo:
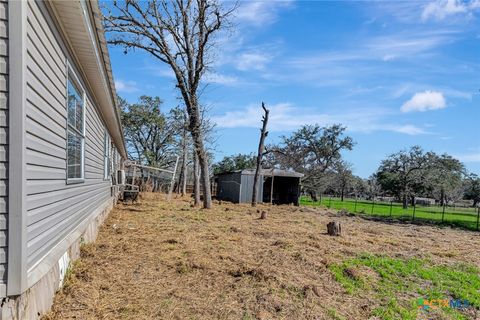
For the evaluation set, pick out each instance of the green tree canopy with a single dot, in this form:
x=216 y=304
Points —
x=402 y=174
x=444 y=177
x=235 y=162
x=472 y=188
x=149 y=136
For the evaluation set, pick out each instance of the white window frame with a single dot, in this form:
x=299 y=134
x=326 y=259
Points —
x=72 y=77
x=107 y=158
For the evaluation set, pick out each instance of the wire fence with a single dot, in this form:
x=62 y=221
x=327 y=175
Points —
x=465 y=217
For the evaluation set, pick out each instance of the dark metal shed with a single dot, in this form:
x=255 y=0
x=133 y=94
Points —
x=276 y=186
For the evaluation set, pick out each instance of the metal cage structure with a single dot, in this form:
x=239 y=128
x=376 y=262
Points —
x=140 y=177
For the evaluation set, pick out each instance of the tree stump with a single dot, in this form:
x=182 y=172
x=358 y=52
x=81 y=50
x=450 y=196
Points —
x=334 y=228
x=263 y=215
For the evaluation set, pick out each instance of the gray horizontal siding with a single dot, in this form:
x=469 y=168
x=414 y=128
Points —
x=3 y=138
x=55 y=208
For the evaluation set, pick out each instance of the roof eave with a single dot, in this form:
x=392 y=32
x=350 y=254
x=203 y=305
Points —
x=81 y=20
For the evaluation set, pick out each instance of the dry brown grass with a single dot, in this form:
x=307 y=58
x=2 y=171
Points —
x=159 y=260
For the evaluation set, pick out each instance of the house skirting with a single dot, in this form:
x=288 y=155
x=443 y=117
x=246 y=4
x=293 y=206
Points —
x=38 y=299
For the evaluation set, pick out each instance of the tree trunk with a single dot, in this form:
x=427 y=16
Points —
x=263 y=134
x=343 y=193
x=196 y=180
x=205 y=180
x=182 y=183
x=195 y=127
x=405 y=202
x=185 y=159
x=179 y=182
x=313 y=195
x=263 y=215
x=334 y=228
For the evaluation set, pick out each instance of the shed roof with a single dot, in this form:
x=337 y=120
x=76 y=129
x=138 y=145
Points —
x=268 y=172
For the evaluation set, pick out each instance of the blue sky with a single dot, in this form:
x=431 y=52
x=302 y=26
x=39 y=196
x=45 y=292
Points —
x=395 y=74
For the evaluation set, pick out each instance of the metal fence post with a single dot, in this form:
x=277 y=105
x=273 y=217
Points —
x=355 y=207
x=391 y=205
x=414 y=209
x=330 y=202
x=373 y=205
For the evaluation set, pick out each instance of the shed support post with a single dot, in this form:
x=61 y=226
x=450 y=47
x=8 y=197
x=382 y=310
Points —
x=271 y=189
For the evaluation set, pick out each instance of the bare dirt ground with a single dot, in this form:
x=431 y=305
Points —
x=159 y=260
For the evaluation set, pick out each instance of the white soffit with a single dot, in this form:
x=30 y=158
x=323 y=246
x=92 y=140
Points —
x=88 y=45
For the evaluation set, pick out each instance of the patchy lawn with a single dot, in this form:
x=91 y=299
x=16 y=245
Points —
x=159 y=260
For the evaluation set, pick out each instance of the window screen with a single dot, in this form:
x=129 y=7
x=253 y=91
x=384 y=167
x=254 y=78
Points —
x=75 y=131
x=107 y=156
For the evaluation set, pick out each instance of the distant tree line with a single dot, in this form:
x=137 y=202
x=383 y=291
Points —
x=415 y=173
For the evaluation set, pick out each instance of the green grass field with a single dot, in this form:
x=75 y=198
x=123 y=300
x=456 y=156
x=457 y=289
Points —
x=393 y=279
x=461 y=217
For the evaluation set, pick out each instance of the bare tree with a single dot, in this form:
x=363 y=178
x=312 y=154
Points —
x=261 y=147
x=179 y=33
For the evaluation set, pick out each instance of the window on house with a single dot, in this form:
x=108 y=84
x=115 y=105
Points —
x=107 y=156
x=75 y=130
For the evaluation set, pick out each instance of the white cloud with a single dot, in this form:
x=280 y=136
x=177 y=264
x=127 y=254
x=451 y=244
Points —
x=212 y=77
x=441 y=9
x=260 y=12
x=404 y=44
x=126 y=86
x=423 y=101
x=252 y=61
x=409 y=129
x=286 y=117
x=388 y=57
x=353 y=64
